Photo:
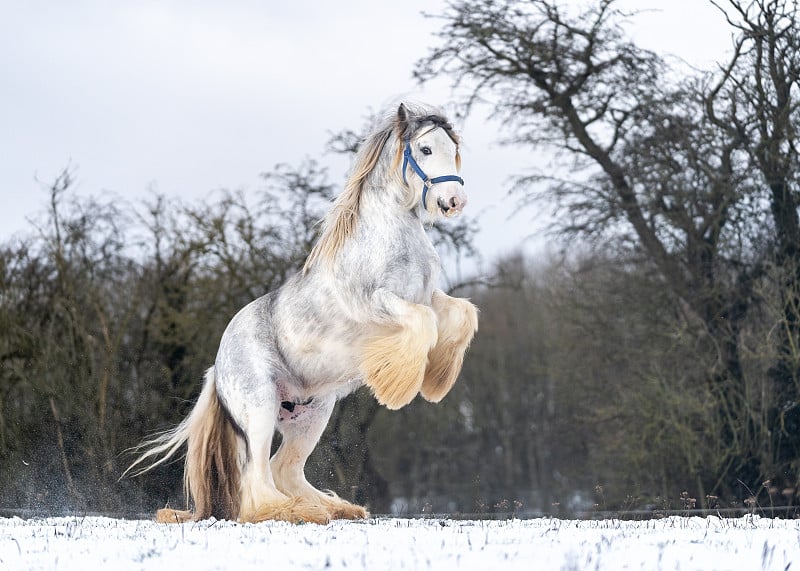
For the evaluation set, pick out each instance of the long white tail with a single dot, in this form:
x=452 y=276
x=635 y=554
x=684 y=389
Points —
x=211 y=473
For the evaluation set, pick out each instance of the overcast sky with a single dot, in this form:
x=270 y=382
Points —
x=187 y=97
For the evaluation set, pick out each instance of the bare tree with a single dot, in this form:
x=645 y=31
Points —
x=694 y=177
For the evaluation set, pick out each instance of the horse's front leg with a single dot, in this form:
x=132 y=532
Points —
x=457 y=322
x=395 y=353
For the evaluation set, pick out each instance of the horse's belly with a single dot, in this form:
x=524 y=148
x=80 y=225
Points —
x=326 y=363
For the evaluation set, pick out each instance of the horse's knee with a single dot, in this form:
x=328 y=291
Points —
x=421 y=327
x=457 y=319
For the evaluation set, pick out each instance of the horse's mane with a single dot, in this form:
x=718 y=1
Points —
x=340 y=223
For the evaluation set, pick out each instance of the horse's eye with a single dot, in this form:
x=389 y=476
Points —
x=426 y=150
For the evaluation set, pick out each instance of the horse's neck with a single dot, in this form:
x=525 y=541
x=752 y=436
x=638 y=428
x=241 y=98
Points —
x=383 y=211
x=392 y=248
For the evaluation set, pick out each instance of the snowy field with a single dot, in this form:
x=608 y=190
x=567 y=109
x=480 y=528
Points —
x=79 y=543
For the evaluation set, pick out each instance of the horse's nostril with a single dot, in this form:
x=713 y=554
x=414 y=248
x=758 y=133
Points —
x=454 y=202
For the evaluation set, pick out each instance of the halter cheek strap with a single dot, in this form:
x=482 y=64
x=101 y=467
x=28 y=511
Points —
x=408 y=159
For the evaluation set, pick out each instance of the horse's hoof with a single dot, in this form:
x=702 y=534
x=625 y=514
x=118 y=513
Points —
x=349 y=511
x=168 y=515
x=294 y=510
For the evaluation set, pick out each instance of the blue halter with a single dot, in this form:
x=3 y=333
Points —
x=427 y=183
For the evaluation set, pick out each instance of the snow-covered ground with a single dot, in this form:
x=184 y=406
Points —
x=711 y=543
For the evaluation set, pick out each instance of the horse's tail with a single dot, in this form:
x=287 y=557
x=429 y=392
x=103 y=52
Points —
x=211 y=475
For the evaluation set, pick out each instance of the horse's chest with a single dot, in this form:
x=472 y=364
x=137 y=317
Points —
x=396 y=257
x=413 y=274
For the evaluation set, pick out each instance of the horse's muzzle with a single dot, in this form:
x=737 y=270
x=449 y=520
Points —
x=453 y=205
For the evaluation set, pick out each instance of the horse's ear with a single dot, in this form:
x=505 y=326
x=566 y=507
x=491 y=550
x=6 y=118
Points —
x=401 y=122
x=402 y=115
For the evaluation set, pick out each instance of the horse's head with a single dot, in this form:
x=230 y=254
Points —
x=427 y=147
x=430 y=162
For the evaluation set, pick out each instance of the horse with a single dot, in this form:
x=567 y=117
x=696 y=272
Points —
x=364 y=309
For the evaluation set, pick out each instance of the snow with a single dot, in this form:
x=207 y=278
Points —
x=683 y=543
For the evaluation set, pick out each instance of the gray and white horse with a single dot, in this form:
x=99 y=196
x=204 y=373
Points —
x=365 y=309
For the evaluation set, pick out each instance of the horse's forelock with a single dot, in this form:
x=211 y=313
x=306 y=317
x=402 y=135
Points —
x=437 y=121
x=409 y=123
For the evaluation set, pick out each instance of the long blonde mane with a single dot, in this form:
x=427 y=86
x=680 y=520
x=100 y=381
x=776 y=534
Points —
x=340 y=223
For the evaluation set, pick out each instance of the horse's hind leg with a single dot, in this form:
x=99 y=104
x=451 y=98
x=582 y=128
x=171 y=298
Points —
x=457 y=322
x=301 y=428
x=260 y=498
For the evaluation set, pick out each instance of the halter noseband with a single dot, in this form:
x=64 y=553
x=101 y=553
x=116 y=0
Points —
x=427 y=183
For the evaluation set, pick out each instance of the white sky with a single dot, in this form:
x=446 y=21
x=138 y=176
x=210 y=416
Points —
x=188 y=97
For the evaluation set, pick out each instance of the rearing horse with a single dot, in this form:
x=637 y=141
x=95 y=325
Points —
x=365 y=309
